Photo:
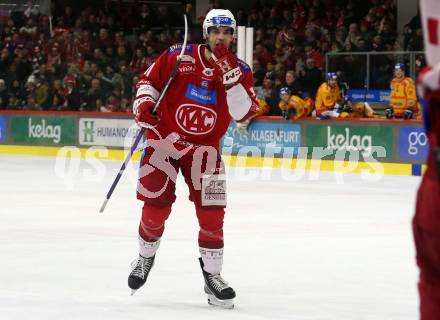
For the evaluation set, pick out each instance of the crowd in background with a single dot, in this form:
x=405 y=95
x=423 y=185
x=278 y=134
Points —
x=90 y=59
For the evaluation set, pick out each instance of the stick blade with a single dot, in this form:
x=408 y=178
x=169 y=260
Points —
x=104 y=204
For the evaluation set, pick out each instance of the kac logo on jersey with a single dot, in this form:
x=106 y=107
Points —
x=201 y=95
x=195 y=119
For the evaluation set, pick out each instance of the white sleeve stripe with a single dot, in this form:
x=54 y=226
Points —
x=138 y=101
x=147 y=73
x=239 y=102
x=147 y=89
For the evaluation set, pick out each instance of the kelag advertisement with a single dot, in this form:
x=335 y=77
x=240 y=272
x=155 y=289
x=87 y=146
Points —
x=43 y=130
x=351 y=137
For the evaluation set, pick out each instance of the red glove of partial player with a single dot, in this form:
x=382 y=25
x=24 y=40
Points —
x=143 y=110
x=226 y=65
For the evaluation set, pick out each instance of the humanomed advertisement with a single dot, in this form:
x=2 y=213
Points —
x=363 y=139
x=42 y=130
x=106 y=132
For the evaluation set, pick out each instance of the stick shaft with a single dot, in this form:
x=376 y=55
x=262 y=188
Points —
x=143 y=129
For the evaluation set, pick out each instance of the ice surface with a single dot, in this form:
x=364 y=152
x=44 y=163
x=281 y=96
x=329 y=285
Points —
x=306 y=249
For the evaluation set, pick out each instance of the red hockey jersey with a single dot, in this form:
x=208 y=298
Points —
x=196 y=105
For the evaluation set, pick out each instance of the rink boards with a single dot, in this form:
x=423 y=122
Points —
x=395 y=147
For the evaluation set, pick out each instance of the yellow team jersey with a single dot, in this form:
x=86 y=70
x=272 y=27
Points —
x=263 y=108
x=326 y=97
x=303 y=107
x=403 y=96
x=359 y=110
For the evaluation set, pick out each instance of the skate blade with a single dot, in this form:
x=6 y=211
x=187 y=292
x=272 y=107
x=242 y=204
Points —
x=226 y=304
x=133 y=291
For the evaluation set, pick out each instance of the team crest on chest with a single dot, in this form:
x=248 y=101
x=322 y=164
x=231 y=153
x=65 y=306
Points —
x=195 y=119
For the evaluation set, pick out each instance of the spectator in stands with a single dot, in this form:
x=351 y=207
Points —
x=353 y=34
x=377 y=43
x=403 y=98
x=269 y=93
x=4 y=63
x=254 y=19
x=293 y=84
x=99 y=59
x=259 y=73
x=69 y=17
x=125 y=106
x=31 y=104
x=54 y=57
x=14 y=103
x=57 y=95
x=72 y=98
x=122 y=55
x=386 y=32
x=167 y=17
x=328 y=98
x=4 y=98
x=146 y=18
x=262 y=55
x=17 y=93
x=92 y=96
x=104 y=40
x=137 y=64
x=42 y=93
x=415 y=43
x=310 y=77
x=43 y=27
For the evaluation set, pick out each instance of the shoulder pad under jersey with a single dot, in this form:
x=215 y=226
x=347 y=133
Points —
x=243 y=66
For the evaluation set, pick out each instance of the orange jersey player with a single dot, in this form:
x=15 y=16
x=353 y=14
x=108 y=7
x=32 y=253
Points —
x=403 y=98
x=293 y=107
x=328 y=97
x=359 y=110
x=264 y=108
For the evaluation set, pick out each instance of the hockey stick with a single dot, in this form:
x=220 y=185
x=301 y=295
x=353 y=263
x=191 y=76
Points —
x=145 y=126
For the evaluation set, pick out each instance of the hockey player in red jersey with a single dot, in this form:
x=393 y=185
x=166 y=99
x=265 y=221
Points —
x=426 y=222
x=211 y=87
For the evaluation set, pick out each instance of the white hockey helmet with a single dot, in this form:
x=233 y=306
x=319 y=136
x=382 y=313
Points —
x=219 y=18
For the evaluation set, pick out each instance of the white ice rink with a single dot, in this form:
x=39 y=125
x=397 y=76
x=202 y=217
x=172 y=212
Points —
x=306 y=249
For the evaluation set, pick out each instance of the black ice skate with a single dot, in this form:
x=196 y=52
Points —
x=139 y=273
x=219 y=292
